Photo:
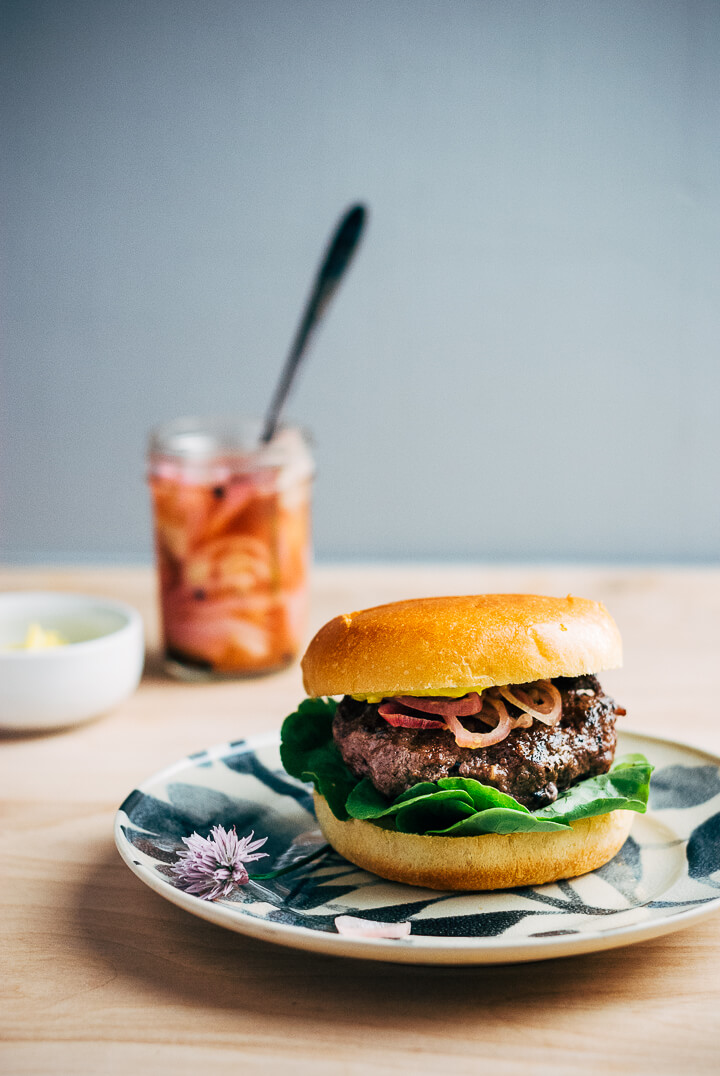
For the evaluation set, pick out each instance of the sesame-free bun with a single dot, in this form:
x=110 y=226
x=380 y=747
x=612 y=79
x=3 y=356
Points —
x=426 y=645
x=490 y=861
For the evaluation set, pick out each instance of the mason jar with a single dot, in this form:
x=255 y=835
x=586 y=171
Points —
x=232 y=539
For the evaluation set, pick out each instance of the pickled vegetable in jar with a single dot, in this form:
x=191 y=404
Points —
x=232 y=539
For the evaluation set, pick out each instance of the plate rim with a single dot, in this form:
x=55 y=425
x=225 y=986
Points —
x=417 y=949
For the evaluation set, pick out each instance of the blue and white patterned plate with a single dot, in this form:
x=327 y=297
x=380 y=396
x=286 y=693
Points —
x=667 y=875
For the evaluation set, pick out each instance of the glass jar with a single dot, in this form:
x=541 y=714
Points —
x=232 y=540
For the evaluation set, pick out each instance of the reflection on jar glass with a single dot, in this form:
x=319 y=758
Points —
x=232 y=538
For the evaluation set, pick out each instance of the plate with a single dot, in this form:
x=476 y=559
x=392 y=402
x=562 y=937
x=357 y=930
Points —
x=666 y=876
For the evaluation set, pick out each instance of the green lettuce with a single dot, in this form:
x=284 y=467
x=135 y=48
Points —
x=452 y=806
x=308 y=751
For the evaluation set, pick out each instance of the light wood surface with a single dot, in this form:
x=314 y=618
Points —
x=100 y=975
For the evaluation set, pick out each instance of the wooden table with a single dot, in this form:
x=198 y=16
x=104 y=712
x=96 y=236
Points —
x=100 y=975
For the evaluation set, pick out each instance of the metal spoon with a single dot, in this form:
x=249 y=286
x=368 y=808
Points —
x=341 y=249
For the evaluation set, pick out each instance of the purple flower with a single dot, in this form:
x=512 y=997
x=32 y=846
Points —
x=213 y=866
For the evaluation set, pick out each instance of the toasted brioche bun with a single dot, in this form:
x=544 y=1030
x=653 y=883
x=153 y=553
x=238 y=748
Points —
x=490 y=861
x=426 y=645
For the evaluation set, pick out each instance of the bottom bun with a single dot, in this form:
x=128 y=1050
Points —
x=490 y=861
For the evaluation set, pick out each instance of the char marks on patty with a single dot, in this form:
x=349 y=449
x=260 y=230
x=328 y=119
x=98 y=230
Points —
x=532 y=765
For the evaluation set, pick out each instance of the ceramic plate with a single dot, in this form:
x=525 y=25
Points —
x=666 y=876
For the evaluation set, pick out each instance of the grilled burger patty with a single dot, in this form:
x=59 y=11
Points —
x=533 y=765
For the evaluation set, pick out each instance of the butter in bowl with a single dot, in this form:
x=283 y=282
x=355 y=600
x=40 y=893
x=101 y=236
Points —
x=65 y=658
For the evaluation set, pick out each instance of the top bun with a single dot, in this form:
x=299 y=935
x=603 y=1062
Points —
x=437 y=646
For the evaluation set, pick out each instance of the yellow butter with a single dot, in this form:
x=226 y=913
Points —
x=39 y=638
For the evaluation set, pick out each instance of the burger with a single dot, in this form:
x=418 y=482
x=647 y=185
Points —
x=472 y=746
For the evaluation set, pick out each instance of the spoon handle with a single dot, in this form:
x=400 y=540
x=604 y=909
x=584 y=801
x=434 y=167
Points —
x=340 y=251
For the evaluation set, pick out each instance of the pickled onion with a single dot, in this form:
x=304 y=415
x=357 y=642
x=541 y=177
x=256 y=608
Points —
x=467 y=706
x=465 y=738
x=548 y=709
x=395 y=715
x=523 y=721
x=395 y=712
x=355 y=927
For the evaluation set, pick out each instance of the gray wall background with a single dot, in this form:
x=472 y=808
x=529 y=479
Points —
x=523 y=362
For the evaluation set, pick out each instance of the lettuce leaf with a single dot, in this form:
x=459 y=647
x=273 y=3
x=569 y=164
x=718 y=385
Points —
x=624 y=788
x=452 y=806
x=498 y=820
x=308 y=752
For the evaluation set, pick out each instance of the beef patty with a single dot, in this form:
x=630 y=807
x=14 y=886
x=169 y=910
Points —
x=532 y=764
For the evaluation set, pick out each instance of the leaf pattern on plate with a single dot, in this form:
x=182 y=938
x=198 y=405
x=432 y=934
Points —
x=670 y=864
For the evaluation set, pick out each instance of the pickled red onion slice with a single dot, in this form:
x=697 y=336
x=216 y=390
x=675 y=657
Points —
x=467 y=706
x=523 y=721
x=547 y=708
x=465 y=738
x=395 y=715
x=355 y=927
x=394 y=712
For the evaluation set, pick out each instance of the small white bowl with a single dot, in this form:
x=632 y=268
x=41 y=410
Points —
x=99 y=667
